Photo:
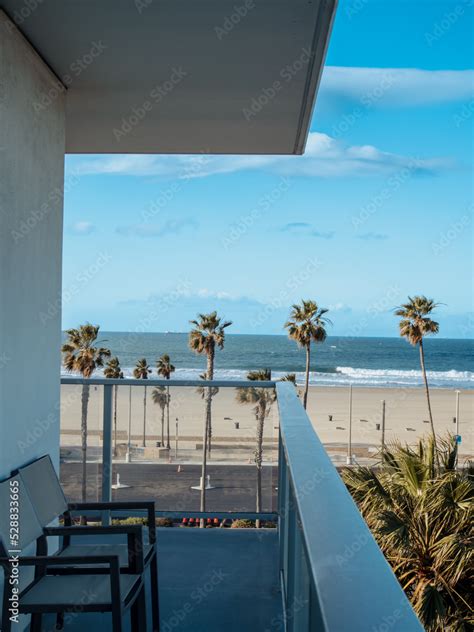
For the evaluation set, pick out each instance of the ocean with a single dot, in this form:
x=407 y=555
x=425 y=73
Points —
x=340 y=361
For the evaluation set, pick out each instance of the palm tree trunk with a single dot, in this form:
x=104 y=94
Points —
x=306 y=382
x=205 y=434
x=144 y=417
x=168 y=418
x=115 y=419
x=84 y=406
x=427 y=390
x=210 y=372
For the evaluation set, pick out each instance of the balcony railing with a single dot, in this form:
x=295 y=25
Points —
x=265 y=465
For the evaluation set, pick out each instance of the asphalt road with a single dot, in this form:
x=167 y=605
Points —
x=234 y=485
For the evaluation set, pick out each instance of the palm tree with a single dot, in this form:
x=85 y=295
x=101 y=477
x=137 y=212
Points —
x=165 y=369
x=140 y=372
x=262 y=398
x=421 y=512
x=113 y=371
x=207 y=334
x=307 y=324
x=160 y=397
x=415 y=324
x=80 y=355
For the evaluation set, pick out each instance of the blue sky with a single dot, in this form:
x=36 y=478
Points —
x=379 y=207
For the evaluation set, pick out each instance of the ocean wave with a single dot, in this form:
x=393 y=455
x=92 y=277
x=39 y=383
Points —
x=340 y=376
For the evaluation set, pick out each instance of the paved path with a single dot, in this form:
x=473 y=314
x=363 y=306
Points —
x=234 y=485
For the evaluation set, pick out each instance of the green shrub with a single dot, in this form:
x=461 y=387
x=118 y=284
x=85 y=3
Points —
x=243 y=524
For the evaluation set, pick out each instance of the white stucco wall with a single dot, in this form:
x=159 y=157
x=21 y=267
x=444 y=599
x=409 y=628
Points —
x=31 y=208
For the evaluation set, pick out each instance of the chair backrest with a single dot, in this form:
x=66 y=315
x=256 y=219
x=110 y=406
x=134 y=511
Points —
x=19 y=525
x=44 y=489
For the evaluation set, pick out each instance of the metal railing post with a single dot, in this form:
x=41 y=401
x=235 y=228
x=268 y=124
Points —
x=107 y=449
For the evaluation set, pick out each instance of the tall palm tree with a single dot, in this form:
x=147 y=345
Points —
x=307 y=324
x=160 y=397
x=165 y=369
x=140 y=372
x=262 y=398
x=81 y=355
x=113 y=371
x=421 y=512
x=414 y=325
x=208 y=333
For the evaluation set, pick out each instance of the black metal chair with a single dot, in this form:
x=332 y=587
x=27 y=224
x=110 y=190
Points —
x=49 y=502
x=101 y=587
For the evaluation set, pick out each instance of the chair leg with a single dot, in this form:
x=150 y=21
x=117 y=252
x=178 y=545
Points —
x=6 y=623
x=35 y=625
x=116 y=618
x=155 y=603
x=60 y=621
x=138 y=612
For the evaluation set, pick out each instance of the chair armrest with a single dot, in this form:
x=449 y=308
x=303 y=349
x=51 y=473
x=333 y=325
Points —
x=53 y=560
x=117 y=505
x=134 y=540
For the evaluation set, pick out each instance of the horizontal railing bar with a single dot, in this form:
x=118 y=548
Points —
x=99 y=381
x=179 y=515
x=354 y=584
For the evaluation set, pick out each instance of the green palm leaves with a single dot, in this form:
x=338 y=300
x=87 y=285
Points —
x=207 y=334
x=414 y=325
x=422 y=515
x=415 y=322
x=80 y=353
x=307 y=324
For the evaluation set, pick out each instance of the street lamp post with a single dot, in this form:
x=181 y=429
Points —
x=176 y=440
x=383 y=428
x=128 y=455
x=349 y=443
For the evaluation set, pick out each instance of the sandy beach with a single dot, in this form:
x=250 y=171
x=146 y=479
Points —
x=234 y=424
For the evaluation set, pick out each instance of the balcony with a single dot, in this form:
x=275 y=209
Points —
x=312 y=564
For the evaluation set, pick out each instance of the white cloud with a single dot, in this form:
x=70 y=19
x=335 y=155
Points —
x=397 y=86
x=170 y=227
x=325 y=157
x=83 y=228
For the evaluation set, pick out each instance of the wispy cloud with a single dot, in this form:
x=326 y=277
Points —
x=304 y=228
x=372 y=236
x=397 y=86
x=170 y=227
x=325 y=157
x=83 y=228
